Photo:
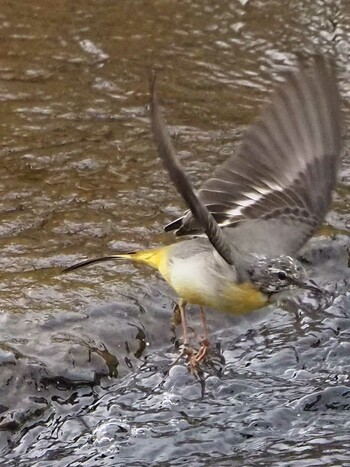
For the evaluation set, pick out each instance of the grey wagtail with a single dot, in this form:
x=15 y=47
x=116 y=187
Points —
x=259 y=207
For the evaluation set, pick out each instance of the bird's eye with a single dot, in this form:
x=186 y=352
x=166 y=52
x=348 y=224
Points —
x=282 y=275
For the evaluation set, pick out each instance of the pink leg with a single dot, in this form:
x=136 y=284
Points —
x=182 y=307
x=203 y=350
x=205 y=325
x=194 y=358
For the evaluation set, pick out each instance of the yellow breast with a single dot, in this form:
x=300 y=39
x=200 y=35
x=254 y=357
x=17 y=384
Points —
x=197 y=283
x=235 y=299
x=241 y=298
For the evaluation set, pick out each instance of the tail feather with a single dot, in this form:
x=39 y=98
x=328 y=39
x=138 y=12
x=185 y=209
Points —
x=153 y=258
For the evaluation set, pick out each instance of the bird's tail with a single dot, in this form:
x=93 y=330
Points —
x=155 y=258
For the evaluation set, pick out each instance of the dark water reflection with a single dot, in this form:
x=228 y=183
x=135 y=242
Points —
x=85 y=358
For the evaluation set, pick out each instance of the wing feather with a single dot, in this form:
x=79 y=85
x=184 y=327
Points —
x=286 y=167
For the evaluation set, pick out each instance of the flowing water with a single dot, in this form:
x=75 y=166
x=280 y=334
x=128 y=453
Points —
x=86 y=376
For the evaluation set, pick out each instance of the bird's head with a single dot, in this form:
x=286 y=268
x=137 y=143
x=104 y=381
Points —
x=273 y=275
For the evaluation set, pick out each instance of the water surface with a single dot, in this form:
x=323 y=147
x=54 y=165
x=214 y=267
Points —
x=85 y=359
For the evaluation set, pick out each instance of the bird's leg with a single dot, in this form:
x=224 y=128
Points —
x=176 y=320
x=182 y=307
x=203 y=350
x=187 y=349
x=205 y=326
x=194 y=358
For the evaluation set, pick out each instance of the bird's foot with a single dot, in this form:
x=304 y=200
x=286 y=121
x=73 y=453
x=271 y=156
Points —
x=203 y=351
x=195 y=357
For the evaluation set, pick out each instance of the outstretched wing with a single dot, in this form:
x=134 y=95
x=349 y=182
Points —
x=282 y=178
x=177 y=175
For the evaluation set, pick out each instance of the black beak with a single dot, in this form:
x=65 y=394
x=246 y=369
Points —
x=308 y=284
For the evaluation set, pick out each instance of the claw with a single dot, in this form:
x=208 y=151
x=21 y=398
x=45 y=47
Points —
x=194 y=357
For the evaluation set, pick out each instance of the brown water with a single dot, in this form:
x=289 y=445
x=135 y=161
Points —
x=79 y=178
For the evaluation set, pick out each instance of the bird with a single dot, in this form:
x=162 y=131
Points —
x=246 y=224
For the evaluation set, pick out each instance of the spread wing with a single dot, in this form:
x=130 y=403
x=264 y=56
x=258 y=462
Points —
x=280 y=183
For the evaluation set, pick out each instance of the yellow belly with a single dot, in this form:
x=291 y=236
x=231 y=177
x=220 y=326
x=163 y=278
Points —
x=195 y=283
x=237 y=299
x=242 y=298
